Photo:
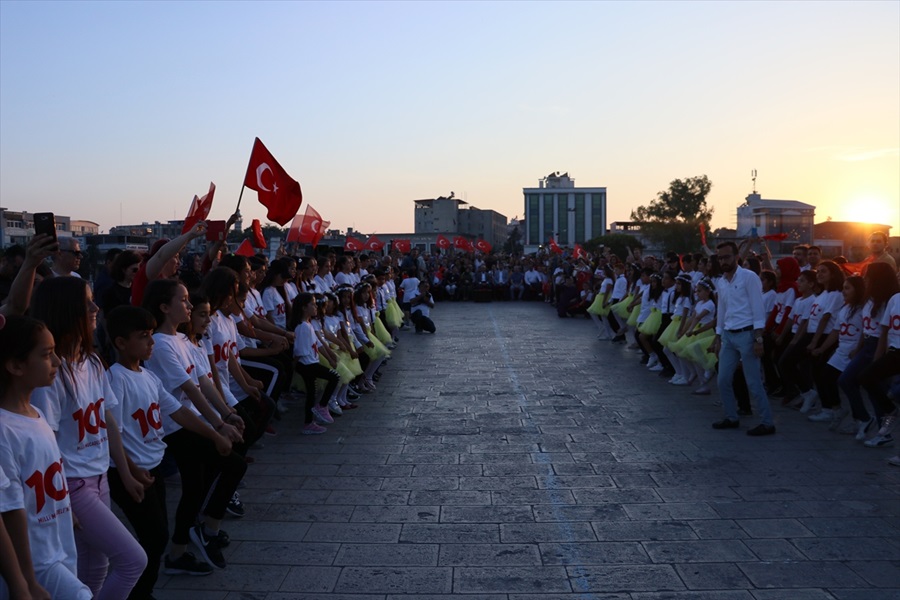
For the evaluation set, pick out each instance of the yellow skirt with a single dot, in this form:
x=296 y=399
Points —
x=352 y=364
x=377 y=350
x=342 y=370
x=381 y=331
x=651 y=325
x=621 y=307
x=668 y=335
x=696 y=351
x=681 y=343
x=597 y=308
x=393 y=314
x=632 y=319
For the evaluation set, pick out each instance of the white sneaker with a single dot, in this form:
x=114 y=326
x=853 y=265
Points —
x=334 y=407
x=838 y=418
x=887 y=425
x=894 y=461
x=281 y=407
x=652 y=363
x=678 y=380
x=823 y=416
x=810 y=401
x=880 y=441
x=656 y=368
x=862 y=428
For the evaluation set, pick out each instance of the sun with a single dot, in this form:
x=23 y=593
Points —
x=872 y=209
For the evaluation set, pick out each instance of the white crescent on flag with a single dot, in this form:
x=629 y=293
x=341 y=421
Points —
x=262 y=168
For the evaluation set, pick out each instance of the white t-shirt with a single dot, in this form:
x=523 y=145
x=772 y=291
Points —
x=710 y=307
x=620 y=288
x=646 y=303
x=769 y=299
x=800 y=312
x=75 y=406
x=142 y=401
x=784 y=301
x=871 y=322
x=275 y=306
x=409 y=287
x=306 y=344
x=32 y=465
x=681 y=304
x=290 y=288
x=253 y=304
x=201 y=356
x=891 y=320
x=423 y=307
x=222 y=338
x=824 y=304
x=173 y=363
x=343 y=279
x=322 y=285
x=849 y=330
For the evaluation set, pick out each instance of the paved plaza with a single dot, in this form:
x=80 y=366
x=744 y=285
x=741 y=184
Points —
x=512 y=456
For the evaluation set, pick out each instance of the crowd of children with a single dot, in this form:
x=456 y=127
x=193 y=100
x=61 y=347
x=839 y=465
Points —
x=194 y=370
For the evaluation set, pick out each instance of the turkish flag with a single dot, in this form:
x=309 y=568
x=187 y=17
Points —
x=775 y=237
x=443 y=243
x=199 y=209
x=352 y=244
x=245 y=249
x=579 y=252
x=554 y=247
x=276 y=189
x=483 y=246
x=258 y=240
x=373 y=244
x=308 y=228
x=703 y=233
x=461 y=243
x=403 y=246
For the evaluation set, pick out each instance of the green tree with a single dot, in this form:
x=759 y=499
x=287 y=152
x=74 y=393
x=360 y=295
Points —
x=673 y=219
x=268 y=231
x=618 y=243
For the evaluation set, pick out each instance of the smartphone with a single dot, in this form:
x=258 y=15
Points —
x=45 y=223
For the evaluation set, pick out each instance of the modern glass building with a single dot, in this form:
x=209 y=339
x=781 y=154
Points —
x=557 y=209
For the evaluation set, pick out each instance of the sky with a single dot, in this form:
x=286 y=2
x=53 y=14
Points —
x=119 y=112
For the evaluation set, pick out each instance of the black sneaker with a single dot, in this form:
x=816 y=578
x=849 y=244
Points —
x=351 y=395
x=208 y=547
x=186 y=564
x=761 y=429
x=235 y=507
x=726 y=424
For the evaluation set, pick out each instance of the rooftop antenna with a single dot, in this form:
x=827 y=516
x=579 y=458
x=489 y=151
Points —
x=753 y=177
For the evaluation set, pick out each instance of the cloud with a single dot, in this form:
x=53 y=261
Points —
x=861 y=154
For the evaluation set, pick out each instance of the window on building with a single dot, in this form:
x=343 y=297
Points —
x=534 y=223
x=548 y=218
x=598 y=227
x=562 y=218
x=579 y=218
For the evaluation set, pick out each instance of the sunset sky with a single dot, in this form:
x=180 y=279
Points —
x=125 y=110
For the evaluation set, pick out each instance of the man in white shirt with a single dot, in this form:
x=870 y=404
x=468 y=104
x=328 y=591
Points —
x=740 y=320
x=67 y=262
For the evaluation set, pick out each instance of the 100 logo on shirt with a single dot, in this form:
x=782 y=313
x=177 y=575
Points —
x=148 y=419
x=90 y=419
x=44 y=484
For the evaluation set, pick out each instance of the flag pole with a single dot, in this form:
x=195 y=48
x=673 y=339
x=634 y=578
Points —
x=241 y=195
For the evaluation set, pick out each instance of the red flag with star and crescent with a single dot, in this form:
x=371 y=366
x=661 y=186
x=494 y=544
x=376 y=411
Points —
x=443 y=243
x=579 y=252
x=308 y=228
x=373 y=244
x=483 y=246
x=277 y=190
x=351 y=244
x=402 y=246
x=554 y=247
x=258 y=241
x=199 y=209
x=461 y=243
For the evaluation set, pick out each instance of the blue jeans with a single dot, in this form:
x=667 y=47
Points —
x=738 y=347
x=849 y=379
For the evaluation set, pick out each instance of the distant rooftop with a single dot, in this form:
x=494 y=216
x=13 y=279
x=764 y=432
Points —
x=756 y=201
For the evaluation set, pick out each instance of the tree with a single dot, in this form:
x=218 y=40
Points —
x=268 y=231
x=673 y=218
x=618 y=244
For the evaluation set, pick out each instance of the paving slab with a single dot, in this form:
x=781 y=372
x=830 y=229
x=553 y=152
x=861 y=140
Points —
x=512 y=456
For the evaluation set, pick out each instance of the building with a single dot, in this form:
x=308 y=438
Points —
x=82 y=228
x=17 y=227
x=758 y=217
x=851 y=240
x=556 y=208
x=451 y=216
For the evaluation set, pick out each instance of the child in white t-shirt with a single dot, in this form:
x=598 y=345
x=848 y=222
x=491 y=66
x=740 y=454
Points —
x=78 y=407
x=34 y=497
x=307 y=365
x=143 y=400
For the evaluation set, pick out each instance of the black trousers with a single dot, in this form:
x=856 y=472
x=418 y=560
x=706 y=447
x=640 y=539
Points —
x=199 y=464
x=310 y=373
x=150 y=523
x=422 y=322
x=876 y=377
x=658 y=348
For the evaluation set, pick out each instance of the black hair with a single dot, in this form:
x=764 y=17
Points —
x=123 y=260
x=881 y=284
x=235 y=262
x=302 y=299
x=18 y=338
x=836 y=279
x=219 y=285
x=859 y=292
x=767 y=275
x=731 y=245
x=124 y=320
x=61 y=303
x=158 y=292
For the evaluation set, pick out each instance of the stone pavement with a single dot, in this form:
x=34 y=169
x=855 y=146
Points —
x=512 y=456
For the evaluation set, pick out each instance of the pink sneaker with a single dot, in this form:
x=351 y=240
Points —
x=312 y=429
x=322 y=415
